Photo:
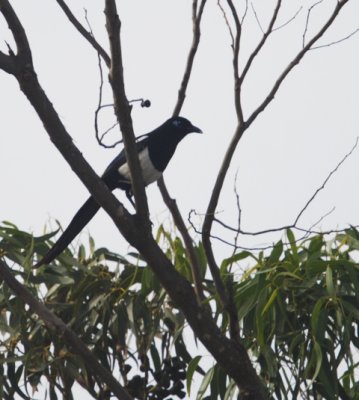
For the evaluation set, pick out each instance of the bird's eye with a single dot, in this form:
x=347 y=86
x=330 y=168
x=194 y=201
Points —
x=177 y=122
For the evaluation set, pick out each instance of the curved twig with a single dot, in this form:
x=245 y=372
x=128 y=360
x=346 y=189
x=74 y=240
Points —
x=87 y=35
x=196 y=20
x=262 y=42
x=296 y=60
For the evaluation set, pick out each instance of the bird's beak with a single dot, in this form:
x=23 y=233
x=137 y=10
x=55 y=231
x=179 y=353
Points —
x=195 y=129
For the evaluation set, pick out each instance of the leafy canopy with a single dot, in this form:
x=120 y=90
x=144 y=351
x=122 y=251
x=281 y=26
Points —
x=298 y=306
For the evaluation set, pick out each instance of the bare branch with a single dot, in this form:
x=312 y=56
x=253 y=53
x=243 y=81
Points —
x=87 y=35
x=310 y=9
x=236 y=193
x=58 y=327
x=226 y=300
x=308 y=232
x=261 y=43
x=178 y=220
x=278 y=229
x=171 y=203
x=224 y=294
x=226 y=21
x=7 y=63
x=235 y=63
x=321 y=219
x=336 y=41
x=289 y=20
x=123 y=112
x=325 y=181
x=208 y=222
x=22 y=44
x=245 y=12
x=257 y=19
x=294 y=224
x=196 y=21
x=296 y=60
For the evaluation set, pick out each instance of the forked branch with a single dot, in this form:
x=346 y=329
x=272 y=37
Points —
x=243 y=125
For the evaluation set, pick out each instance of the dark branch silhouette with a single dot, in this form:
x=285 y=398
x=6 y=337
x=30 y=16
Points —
x=87 y=35
x=171 y=203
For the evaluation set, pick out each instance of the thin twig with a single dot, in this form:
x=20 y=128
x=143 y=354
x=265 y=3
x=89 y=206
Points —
x=295 y=61
x=245 y=12
x=321 y=219
x=171 y=203
x=192 y=255
x=196 y=23
x=307 y=232
x=278 y=229
x=310 y=9
x=325 y=181
x=277 y=28
x=336 y=41
x=256 y=17
x=262 y=42
x=87 y=35
x=304 y=208
x=225 y=295
x=236 y=193
x=235 y=61
x=226 y=21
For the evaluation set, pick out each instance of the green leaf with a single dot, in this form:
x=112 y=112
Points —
x=246 y=298
x=155 y=357
x=205 y=383
x=293 y=245
x=315 y=320
x=318 y=359
x=232 y=387
x=235 y=258
x=276 y=253
x=351 y=309
x=270 y=301
x=191 y=369
x=329 y=282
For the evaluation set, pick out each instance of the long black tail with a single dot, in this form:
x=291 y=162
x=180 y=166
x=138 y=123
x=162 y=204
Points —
x=79 y=221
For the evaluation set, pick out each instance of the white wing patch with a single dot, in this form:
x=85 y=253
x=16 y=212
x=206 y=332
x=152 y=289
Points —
x=149 y=172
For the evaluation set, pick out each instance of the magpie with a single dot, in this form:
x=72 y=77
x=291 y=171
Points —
x=155 y=149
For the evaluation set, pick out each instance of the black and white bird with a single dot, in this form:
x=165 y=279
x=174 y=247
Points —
x=155 y=150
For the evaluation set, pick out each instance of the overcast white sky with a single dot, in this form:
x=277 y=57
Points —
x=283 y=158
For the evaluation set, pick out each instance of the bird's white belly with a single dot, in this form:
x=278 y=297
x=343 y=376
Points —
x=149 y=172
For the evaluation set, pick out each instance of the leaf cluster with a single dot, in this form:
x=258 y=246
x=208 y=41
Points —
x=299 y=313
x=298 y=308
x=113 y=303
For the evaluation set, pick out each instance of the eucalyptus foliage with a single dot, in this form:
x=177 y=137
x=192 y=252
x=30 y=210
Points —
x=298 y=306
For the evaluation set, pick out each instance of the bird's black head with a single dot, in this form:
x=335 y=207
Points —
x=182 y=125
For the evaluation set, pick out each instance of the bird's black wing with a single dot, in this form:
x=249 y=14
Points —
x=113 y=180
x=112 y=177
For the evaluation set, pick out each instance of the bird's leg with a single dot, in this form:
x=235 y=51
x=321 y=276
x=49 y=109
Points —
x=129 y=195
